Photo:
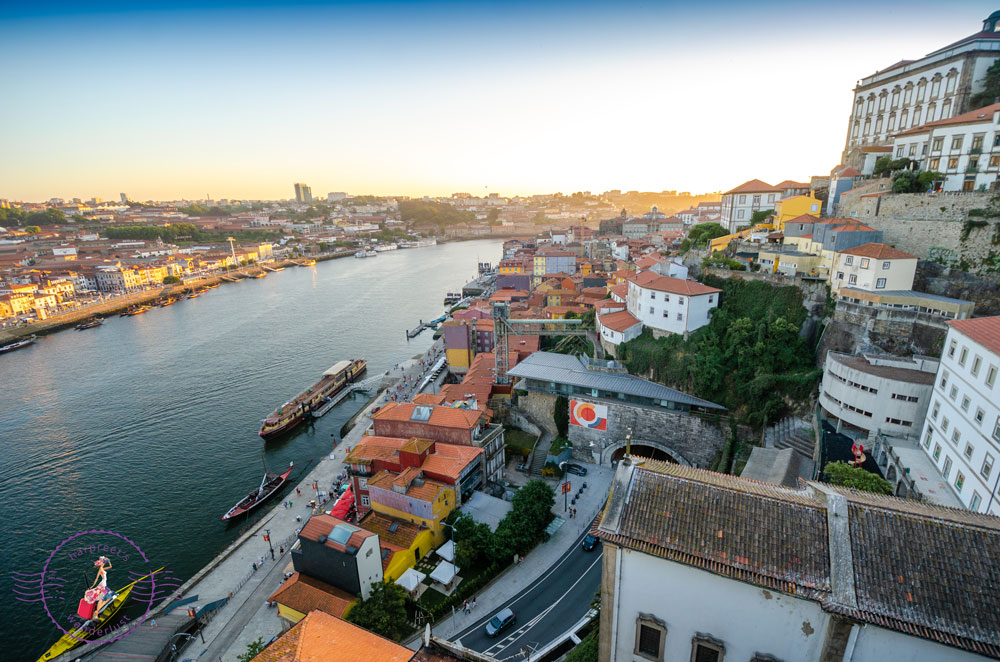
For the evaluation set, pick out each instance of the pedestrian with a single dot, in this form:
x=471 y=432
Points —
x=281 y=549
x=465 y=606
x=254 y=566
x=298 y=518
x=298 y=491
x=262 y=560
x=473 y=604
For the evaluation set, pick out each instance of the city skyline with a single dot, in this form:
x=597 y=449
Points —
x=240 y=100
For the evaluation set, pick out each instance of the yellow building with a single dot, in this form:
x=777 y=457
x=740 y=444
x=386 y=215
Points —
x=402 y=542
x=411 y=497
x=795 y=206
x=459 y=344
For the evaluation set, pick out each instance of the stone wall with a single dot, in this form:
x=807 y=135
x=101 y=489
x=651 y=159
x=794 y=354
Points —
x=689 y=439
x=931 y=226
x=539 y=407
x=984 y=289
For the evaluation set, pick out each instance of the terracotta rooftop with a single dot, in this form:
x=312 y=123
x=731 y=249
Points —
x=620 y=321
x=919 y=569
x=304 y=594
x=448 y=417
x=653 y=281
x=323 y=525
x=754 y=186
x=320 y=637
x=787 y=184
x=419 y=488
x=849 y=172
x=450 y=459
x=878 y=251
x=983 y=330
x=397 y=532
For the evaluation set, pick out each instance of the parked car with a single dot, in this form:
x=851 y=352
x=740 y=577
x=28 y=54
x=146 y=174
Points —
x=500 y=622
x=576 y=469
x=589 y=543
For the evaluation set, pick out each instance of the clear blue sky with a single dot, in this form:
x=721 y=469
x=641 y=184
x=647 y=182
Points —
x=240 y=100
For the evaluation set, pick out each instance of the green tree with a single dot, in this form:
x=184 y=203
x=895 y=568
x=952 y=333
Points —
x=384 y=612
x=473 y=541
x=560 y=413
x=927 y=178
x=585 y=651
x=703 y=233
x=493 y=216
x=991 y=88
x=45 y=217
x=171 y=280
x=9 y=216
x=32 y=229
x=78 y=218
x=843 y=474
x=254 y=648
x=760 y=216
x=522 y=527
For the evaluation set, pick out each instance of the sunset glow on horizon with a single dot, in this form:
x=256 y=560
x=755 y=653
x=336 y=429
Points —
x=240 y=100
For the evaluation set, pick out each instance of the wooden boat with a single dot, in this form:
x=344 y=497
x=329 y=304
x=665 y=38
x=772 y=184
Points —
x=24 y=342
x=168 y=302
x=270 y=484
x=135 y=310
x=79 y=635
x=260 y=275
x=89 y=325
x=290 y=414
x=194 y=295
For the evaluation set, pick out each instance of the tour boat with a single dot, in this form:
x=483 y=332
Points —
x=17 y=345
x=452 y=298
x=381 y=248
x=194 y=295
x=79 y=635
x=89 y=325
x=360 y=254
x=270 y=484
x=371 y=254
x=294 y=412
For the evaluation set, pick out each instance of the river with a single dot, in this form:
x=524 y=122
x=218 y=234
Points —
x=147 y=425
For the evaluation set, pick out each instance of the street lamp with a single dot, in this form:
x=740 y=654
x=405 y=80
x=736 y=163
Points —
x=267 y=537
x=565 y=487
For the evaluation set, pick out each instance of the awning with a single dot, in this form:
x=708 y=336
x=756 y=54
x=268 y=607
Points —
x=447 y=551
x=444 y=573
x=343 y=505
x=411 y=579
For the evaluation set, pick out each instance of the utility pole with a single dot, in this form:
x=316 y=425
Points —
x=267 y=537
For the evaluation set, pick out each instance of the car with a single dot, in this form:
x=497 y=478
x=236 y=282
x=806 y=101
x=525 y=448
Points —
x=576 y=469
x=500 y=622
x=589 y=543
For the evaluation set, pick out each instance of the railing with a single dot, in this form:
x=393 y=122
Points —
x=972 y=169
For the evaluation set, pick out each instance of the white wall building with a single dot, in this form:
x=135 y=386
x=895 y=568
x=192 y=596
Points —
x=618 y=327
x=888 y=394
x=961 y=434
x=913 y=92
x=965 y=148
x=873 y=267
x=739 y=204
x=670 y=305
x=706 y=567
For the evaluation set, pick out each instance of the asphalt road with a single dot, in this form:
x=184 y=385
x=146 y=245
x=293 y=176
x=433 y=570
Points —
x=544 y=610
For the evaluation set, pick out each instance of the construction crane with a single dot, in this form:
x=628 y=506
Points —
x=503 y=327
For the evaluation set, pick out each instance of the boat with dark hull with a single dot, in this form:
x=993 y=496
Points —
x=17 y=345
x=293 y=412
x=90 y=324
x=270 y=484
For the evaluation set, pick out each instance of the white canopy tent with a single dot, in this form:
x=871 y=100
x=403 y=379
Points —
x=444 y=573
x=447 y=551
x=410 y=580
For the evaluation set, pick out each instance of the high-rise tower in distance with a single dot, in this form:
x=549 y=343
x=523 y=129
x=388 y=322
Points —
x=303 y=193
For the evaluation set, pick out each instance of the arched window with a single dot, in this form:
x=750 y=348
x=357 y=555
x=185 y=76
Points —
x=868 y=126
x=854 y=132
x=878 y=125
x=903 y=116
x=916 y=116
x=871 y=103
x=936 y=86
x=931 y=109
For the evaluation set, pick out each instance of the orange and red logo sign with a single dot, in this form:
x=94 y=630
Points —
x=588 y=415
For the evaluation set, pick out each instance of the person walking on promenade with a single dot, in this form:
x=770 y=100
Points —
x=465 y=606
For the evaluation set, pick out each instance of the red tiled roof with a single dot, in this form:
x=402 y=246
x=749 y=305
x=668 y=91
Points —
x=620 y=321
x=754 y=186
x=322 y=525
x=852 y=227
x=653 y=281
x=304 y=594
x=803 y=218
x=320 y=637
x=983 y=330
x=787 y=184
x=448 y=417
x=878 y=251
x=849 y=172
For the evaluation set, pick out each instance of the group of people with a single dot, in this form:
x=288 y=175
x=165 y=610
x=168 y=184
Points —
x=468 y=606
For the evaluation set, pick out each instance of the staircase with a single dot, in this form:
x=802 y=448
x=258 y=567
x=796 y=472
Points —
x=539 y=454
x=793 y=433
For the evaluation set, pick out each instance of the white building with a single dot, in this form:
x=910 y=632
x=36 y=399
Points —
x=873 y=267
x=739 y=204
x=713 y=568
x=618 y=327
x=670 y=305
x=888 y=394
x=962 y=432
x=913 y=92
x=966 y=148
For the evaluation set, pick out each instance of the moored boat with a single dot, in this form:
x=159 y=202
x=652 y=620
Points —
x=168 y=302
x=381 y=248
x=260 y=275
x=134 y=310
x=295 y=411
x=371 y=254
x=452 y=298
x=270 y=484
x=24 y=342
x=194 y=295
x=90 y=324
x=360 y=254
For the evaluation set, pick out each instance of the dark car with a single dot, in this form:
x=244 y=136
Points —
x=500 y=622
x=576 y=469
x=589 y=543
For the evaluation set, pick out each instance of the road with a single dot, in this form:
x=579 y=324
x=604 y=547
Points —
x=544 y=610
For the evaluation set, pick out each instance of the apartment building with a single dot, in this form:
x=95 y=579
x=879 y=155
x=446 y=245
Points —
x=873 y=267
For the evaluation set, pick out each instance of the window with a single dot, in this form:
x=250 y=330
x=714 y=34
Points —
x=680 y=300
x=927 y=438
x=977 y=141
x=965 y=403
x=886 y=266
x=364 y=499
x=937 y=144
x=849 y=260
x=953 y=393
x=952 y=162
x=770 y=197
x=996 y=429
x=652 y=295
x=880 y=284
x=680 y=317
x=980 y=415
x=975 y=501
x=651 y=311
x=937 y=452
x=935 y=163
x=913 y=149
x=865 y=262
x=665 y=313
x=711 y=298
x=946 y=469
x=756 y=199
x=951 y=349
x=666 y=297
x=706 y=648
x=959 y=481
x=976 y=362
x=739 y=213
x=987 y=467
x=964 y=354
x=991 y=376
x=956 y=142
x=934 y=412
x=743 y=199
x=853 y=279
x=650 y=636
x=944 y=424
x=969 y=450
x=956 y=437
x=994 y=161
x=840 y=275
x=899 y=150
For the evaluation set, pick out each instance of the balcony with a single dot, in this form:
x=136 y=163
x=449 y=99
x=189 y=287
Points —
x=972 y=169
x=976 y=150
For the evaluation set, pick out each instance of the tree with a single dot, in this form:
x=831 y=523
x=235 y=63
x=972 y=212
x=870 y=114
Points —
x=886 y=165
x=585 y=651
x=905 y=182
x=171 y=280
x=46 y=217
x=991 y=87
x=560 y=413
x=493 y=216
x=78 y=218
x=703 y=233
x=760 y=216
x=473 y=541
x=254 y=648
x=843 y=474
x=522 y=527
x=384 y=612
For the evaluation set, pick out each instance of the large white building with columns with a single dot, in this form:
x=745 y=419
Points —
x=910 y=93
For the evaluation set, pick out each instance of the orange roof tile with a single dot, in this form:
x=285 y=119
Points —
x=620 y=321
x=428 y=399
x=400 y=536
x=322 y=525
x=754 y=186
x=653 y=281
x=320 y=637
x=879 y=251
x=849 y=172
x=422 y=489
x=450 y=459
x=787 y=184
x=983 y=330
x=304 y=594
x=448 y=417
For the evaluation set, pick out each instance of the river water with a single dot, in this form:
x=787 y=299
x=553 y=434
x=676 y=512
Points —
x=147 y=425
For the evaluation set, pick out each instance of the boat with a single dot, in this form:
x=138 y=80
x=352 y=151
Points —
x=260 y=275
x=89 y=325
x=194 y=295
x=426 y=242
x=371 y=254
x=452 y=298
x=360 y=254
x=24 y=342
x=211 y=287
x=135 y=310
x=270 y=484
x=309 y=262
x=79 y=635
x=293 y=412
x=168 y=302
x=381 y=248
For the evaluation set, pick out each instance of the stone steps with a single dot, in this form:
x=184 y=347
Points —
x=799 y=441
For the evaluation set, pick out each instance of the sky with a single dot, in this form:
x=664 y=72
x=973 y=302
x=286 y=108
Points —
x=240 y=100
